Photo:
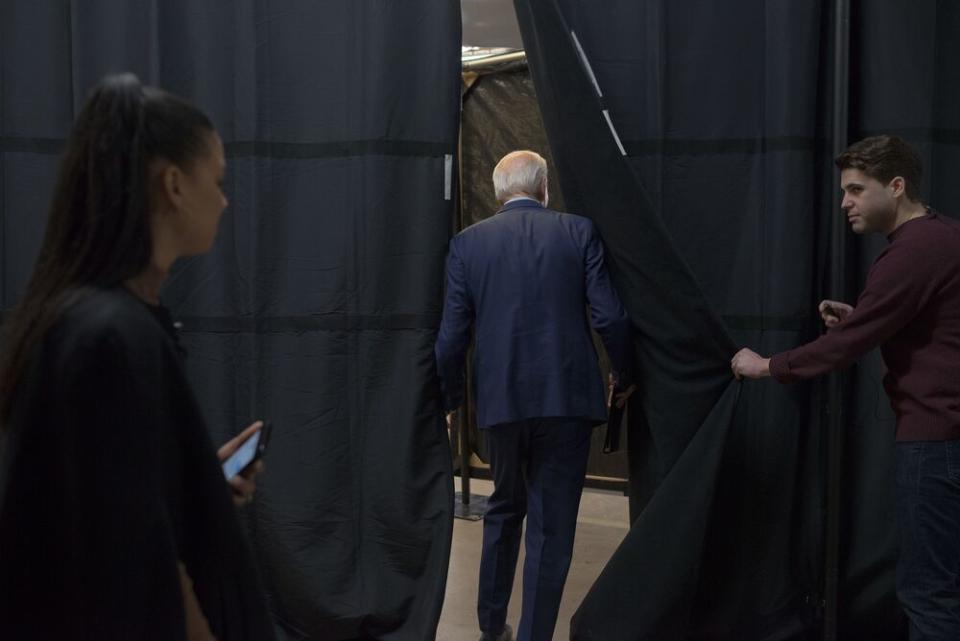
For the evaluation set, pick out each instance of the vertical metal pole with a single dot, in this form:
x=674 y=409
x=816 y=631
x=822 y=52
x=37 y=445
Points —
x=464 y=442
x=5 y=23
x=836 y=416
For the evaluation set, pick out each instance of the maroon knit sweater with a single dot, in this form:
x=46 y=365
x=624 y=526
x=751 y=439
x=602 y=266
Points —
x=910 y=307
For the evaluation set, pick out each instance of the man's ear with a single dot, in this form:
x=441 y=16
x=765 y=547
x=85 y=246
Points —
x=898 y=186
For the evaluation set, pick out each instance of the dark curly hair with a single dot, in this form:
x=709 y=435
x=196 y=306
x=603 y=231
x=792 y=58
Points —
x=884 y=158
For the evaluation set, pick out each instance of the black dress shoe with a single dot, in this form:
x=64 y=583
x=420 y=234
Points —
x=506 y=635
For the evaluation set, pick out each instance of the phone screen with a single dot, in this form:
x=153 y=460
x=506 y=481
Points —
x=242 y=457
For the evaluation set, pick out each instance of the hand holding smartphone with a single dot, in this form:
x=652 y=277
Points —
x=249 y=452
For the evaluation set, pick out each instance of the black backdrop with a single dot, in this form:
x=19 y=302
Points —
x=318 y=305
x=725 y=112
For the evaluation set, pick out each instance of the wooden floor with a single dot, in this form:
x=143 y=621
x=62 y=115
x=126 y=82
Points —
x=602 y=524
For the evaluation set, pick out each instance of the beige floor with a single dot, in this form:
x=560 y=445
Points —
x=602 y=524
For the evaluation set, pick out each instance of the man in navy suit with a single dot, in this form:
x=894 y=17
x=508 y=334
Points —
x=524 y=280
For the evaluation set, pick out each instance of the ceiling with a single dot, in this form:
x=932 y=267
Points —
x=490 y=23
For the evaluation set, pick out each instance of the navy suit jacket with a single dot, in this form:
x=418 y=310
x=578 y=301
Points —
x=524 y=279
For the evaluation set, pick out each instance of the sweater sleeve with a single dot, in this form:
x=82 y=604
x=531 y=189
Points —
x=898 y=286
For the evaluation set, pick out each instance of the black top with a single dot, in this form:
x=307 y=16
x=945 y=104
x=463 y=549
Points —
x=108 y=479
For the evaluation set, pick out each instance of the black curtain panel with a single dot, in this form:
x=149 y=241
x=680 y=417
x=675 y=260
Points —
x=692 y=557
x=318 y=306
x=698 y=135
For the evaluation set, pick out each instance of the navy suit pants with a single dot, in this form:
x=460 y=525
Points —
x=538 y=466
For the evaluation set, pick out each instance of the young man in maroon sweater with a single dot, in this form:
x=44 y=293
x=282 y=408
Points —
x=910 y=308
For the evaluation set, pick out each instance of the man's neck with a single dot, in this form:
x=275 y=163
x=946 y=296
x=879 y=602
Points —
x=908 y=212
x=520 y=197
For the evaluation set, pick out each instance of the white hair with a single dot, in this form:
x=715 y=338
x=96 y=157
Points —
x=520 y=173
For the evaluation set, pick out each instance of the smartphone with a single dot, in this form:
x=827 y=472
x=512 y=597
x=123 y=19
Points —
x=250 y=452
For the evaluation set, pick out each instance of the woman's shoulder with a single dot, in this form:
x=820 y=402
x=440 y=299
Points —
x=96 y=317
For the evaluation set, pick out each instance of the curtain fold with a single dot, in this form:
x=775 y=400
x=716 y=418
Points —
x=318 y=305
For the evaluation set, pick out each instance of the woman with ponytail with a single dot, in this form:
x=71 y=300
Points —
x=115 y=520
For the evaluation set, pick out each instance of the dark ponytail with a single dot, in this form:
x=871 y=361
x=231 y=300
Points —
x=98 y=230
